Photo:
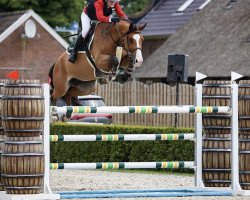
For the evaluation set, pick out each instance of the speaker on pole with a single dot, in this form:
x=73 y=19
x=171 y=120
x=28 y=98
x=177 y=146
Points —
x=177 y=73
x=177 y=68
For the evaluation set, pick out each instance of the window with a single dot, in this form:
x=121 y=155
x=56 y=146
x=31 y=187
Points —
x=185 y=5
x=204 y=4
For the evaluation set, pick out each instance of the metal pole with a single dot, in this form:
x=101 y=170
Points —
x=198 y=141
x=46 y=139
x=235 y=186
x=177 y=99
x=198 y=124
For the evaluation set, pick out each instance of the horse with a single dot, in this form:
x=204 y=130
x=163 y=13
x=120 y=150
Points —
x=112 y=46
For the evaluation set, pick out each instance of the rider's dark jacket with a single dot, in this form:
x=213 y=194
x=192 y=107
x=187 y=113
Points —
x=99 y=10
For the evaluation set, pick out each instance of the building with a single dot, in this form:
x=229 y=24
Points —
x=164 y=19
x=29 y=44
x=217 y=40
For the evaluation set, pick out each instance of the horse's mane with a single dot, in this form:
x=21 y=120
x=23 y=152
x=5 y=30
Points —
x=126 y=19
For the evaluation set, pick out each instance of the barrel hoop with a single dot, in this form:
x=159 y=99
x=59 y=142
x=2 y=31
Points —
x=244 y=85
x=217 y=181
x=244 y=129
x=216 y=170
x=21 y=85
x=21 y=175
x=244 y=172
x=244 y=140
x=217 y=127
x=244 y=184
x=216 y=150
x=217 y=116
x=244 y=117
x=215 y=85
x=244 y=152
x=22 y=142
x=244 y=97
x=21 y=97
x=217 y=139
x=21 y=154
x=23 y=188
x=216 y=97
x=23 y=118
x=24 y=130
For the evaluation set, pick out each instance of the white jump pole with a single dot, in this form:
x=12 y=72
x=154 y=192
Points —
x=46 y=143
x=46 y=131
x=198 y=124
x=235 y=186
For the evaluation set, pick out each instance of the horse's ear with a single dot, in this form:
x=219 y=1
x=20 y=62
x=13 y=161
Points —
x=131 y=27
x=142 y=27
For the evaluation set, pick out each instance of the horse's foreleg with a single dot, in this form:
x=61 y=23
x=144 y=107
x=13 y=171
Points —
x=114 y=63
x=110 y=64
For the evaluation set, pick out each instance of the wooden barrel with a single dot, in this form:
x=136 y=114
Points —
x=24 y=108
x=244 y=134
x=216 y=160
x=23 y=165
x=2 y=137
x=22 y=117
x=1 y=93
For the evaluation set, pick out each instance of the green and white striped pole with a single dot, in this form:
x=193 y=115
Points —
x=122 y=137
x=123 y=165
x=68 y=110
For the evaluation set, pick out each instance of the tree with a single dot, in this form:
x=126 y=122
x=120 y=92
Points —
x=55 y=13
x=132 y=7
x=63 y=12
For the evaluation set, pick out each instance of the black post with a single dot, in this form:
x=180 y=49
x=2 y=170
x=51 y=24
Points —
x=177 y=99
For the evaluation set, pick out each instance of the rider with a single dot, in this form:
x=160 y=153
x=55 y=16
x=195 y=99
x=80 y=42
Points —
x=100 y=10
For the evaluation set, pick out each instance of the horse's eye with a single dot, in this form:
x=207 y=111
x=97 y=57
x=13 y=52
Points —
x=130 y=40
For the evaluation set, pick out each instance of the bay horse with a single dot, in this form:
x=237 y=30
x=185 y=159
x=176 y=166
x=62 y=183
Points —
x=112 y=46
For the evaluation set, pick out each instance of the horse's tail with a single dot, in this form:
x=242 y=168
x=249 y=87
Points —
x=51 y=77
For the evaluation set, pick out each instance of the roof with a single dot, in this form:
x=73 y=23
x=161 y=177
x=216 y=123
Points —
x=164 y=19
x=9 y=22
x=217 y=41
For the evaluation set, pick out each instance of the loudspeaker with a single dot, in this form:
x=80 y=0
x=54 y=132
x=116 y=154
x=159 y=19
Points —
x=177 y=68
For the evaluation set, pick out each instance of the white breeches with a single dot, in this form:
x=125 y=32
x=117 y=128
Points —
x=85 y=24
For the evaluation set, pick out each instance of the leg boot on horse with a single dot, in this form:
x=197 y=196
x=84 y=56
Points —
x=79 y=43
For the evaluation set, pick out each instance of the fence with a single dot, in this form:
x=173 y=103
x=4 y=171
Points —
x=137 y=93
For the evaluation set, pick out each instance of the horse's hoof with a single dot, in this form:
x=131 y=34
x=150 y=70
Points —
x=64 y=118
x=53 y=119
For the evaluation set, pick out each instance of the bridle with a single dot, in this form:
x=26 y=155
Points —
x=121 y=42
x=123 y=38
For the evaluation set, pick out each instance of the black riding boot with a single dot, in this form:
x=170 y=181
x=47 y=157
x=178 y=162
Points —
x=78 y=45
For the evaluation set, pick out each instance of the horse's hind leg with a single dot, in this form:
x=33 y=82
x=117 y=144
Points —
x=61 y=85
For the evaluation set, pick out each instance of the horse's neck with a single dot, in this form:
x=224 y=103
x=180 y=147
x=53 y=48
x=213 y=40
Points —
x=108 y=35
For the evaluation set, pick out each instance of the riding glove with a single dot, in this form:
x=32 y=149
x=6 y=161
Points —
x=115 y=19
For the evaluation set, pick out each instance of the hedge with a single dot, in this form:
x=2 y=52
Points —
x=119 y=151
